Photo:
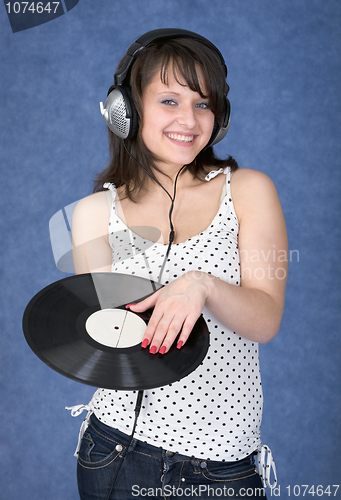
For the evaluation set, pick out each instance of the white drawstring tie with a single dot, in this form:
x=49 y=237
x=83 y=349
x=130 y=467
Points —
x=75 y=411
x=213 y=174
x=265 y=464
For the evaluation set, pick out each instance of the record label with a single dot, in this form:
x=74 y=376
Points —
x=115 y=328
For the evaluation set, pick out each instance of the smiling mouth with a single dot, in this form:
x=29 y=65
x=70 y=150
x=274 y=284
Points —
x=181 y=138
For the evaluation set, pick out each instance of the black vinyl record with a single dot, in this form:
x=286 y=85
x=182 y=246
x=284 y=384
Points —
x=58 y=319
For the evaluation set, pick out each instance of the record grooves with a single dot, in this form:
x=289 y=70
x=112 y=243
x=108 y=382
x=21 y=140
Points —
x=54 y=325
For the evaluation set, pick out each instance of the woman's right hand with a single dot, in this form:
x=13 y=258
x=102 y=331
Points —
x=177 y=306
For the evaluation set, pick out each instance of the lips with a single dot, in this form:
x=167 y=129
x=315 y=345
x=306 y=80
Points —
x=180 y=137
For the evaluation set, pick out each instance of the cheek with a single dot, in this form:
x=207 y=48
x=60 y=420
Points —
x=209 y=124
x=212 y=119
x=153 y=124
x=147 y=126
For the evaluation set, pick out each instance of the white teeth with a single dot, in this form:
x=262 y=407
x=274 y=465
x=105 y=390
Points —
x=181 y=138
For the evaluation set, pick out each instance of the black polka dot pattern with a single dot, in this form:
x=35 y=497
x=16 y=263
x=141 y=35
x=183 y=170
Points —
x=215 y=412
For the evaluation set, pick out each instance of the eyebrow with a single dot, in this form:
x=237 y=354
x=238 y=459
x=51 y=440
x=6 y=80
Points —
x=170 y=92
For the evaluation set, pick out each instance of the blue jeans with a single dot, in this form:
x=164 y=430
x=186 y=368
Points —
x=151 y=472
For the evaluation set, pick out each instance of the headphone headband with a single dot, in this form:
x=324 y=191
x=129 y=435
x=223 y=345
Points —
x=153 y=36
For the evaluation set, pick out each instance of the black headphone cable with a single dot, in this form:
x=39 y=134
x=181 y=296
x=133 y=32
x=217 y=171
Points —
x=172 y=198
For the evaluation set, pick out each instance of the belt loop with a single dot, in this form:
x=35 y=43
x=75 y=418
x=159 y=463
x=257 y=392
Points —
x=196 y=465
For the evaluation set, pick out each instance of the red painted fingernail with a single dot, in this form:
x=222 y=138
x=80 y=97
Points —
x=180 y=344
x=163 y=350
x=153 y=349
x=144 y=343
x=128 y=305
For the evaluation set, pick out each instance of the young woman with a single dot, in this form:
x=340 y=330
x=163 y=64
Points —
x=224 y=257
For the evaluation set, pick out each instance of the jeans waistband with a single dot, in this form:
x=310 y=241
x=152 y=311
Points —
x=155 y=451
x=265 y=462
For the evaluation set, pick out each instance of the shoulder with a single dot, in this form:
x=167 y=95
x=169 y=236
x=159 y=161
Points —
x=92 y=212
x=251 y=189
x=246 y=178
x=94 y=203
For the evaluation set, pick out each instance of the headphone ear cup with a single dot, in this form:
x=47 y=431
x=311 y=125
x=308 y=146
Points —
x=131 y=110
x=120 y=113
x=219 y=132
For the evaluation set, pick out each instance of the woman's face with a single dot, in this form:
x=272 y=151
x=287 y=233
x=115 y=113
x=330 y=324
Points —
x=177 y=122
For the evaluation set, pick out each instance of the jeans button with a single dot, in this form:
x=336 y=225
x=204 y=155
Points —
x=203 y=465
x=170 y=454
x=119 y=448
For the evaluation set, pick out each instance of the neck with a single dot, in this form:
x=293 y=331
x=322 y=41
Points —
x=167 y=180
x=157 y=177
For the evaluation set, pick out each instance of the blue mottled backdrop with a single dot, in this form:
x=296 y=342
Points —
x=284 y=72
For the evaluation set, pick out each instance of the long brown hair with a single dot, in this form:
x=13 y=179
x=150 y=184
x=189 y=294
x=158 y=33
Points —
x=183 y=56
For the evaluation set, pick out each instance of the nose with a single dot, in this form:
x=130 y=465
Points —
x=187 y=117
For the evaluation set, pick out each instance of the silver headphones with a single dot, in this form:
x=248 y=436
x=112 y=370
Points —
x=119 y=110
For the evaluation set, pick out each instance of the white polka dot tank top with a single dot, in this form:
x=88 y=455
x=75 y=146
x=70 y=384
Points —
x=215 y=412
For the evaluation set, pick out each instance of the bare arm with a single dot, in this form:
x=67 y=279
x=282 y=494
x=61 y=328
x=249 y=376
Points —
x=253 y=310
x=91 y=249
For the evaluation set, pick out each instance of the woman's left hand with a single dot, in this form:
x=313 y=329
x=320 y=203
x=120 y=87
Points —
x=177 y=305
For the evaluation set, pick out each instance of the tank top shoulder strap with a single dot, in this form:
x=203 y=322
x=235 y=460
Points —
x=111 y=194
x=116 y=215
x=226 y=188
x=111 y=187
x=227 y=172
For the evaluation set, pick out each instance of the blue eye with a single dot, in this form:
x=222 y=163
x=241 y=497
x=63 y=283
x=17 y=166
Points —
x=169 y=102
x=203 y=105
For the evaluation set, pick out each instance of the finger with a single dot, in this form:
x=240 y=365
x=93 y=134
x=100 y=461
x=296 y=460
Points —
x=165 y=334
x=151 y=327
x=144 y=304
x=187 y=328
x=172 y=332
